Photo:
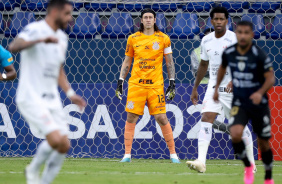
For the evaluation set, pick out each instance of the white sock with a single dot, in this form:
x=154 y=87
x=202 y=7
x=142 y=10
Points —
x=53 y=166
x=174 y=156
x=248 y=140
x=127 y=156
x=43 y=152
x=204 y=139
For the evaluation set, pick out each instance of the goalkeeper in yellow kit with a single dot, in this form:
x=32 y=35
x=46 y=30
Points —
x=148 y=46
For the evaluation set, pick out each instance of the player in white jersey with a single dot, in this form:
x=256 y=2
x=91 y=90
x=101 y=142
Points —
x=212 y=47
x=43 y=47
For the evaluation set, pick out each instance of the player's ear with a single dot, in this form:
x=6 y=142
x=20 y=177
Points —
x=155 y=20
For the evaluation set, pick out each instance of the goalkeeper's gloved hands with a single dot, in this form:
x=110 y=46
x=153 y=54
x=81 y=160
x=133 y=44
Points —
x=119 y=88
x=170 y=91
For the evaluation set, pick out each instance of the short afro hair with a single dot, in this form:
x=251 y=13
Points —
x=219 y=9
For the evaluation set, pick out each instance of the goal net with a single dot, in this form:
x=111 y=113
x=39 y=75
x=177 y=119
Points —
x=96 y=50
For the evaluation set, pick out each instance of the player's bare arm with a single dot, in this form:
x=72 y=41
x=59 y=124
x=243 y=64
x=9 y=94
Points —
x=64 y=84
x=123 y=73
x=268 y=83
x=10 y=74
x=220 y=76
x=19 y=44
x=202 y=70
x=170 y=92
x=229 y=87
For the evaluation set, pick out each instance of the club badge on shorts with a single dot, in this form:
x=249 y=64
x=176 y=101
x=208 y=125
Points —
x=156 y=45
x=130 y=105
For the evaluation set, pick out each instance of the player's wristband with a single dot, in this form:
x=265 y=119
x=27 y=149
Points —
x=171 y=82
x=120 y=82
x=4 y=76
x=70 y=93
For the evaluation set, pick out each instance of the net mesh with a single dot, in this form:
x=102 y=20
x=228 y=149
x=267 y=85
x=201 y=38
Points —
x=96 y=49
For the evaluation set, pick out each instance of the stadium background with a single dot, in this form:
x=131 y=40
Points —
x=95 y=54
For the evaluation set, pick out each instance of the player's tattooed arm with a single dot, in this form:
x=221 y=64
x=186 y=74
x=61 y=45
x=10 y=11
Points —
x=125 y=67
x=19 y=44
x=170 y=66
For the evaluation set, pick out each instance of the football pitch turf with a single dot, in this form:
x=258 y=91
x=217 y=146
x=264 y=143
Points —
x=139 y=171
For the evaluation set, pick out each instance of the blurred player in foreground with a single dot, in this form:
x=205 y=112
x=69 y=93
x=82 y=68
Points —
x=43 y=47
x=212 y=47
x=148 y=47
x=7 y=61
x=252 y=76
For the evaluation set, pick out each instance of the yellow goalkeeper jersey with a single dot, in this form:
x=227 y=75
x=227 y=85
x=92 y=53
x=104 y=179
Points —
x=148 y=53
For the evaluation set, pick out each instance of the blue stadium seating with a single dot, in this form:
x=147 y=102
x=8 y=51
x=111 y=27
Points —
x=165 y=7
x=100 y=6
x=198 y=6
x=34 y=5
x=9 y=5
x=258 y=22
x=87 y=26
x=161 y=22
x=235 y=6
x=120 y=25
x=185 y=25
x=276 y=29
x=1 y=24
x=264 y=7
x=132 y=6
x=209 y=25
x=19 y=21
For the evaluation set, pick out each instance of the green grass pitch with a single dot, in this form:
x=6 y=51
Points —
x=139 y=171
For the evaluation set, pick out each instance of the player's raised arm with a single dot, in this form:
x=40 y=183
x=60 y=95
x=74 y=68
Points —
x=64 y=84
x=129 y=53
x=7 y=63
x=25 y=41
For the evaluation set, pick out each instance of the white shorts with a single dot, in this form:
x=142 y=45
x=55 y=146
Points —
x=225 y=101
x=42 y=120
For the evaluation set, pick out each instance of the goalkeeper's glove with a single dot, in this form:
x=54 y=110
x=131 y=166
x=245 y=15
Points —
x=170 y=91
x=119 y=88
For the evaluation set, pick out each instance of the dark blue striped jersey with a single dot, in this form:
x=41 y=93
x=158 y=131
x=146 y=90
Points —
x=247 y=71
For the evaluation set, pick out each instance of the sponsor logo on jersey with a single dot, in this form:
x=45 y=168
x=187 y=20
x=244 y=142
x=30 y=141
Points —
x=130 y=105
x=229 y=40
x=208 y=50
x=146 y=81
x=10 y=59
x=156 y=45
x=147 y=47
x=216 y=53
x=225 y=47
x=138 y=45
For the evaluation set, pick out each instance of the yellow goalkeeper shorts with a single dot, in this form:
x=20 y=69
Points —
x=137 y=97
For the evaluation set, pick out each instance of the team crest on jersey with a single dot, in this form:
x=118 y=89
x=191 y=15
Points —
x=130 y=105
x=241 y=65
x=156 y=45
